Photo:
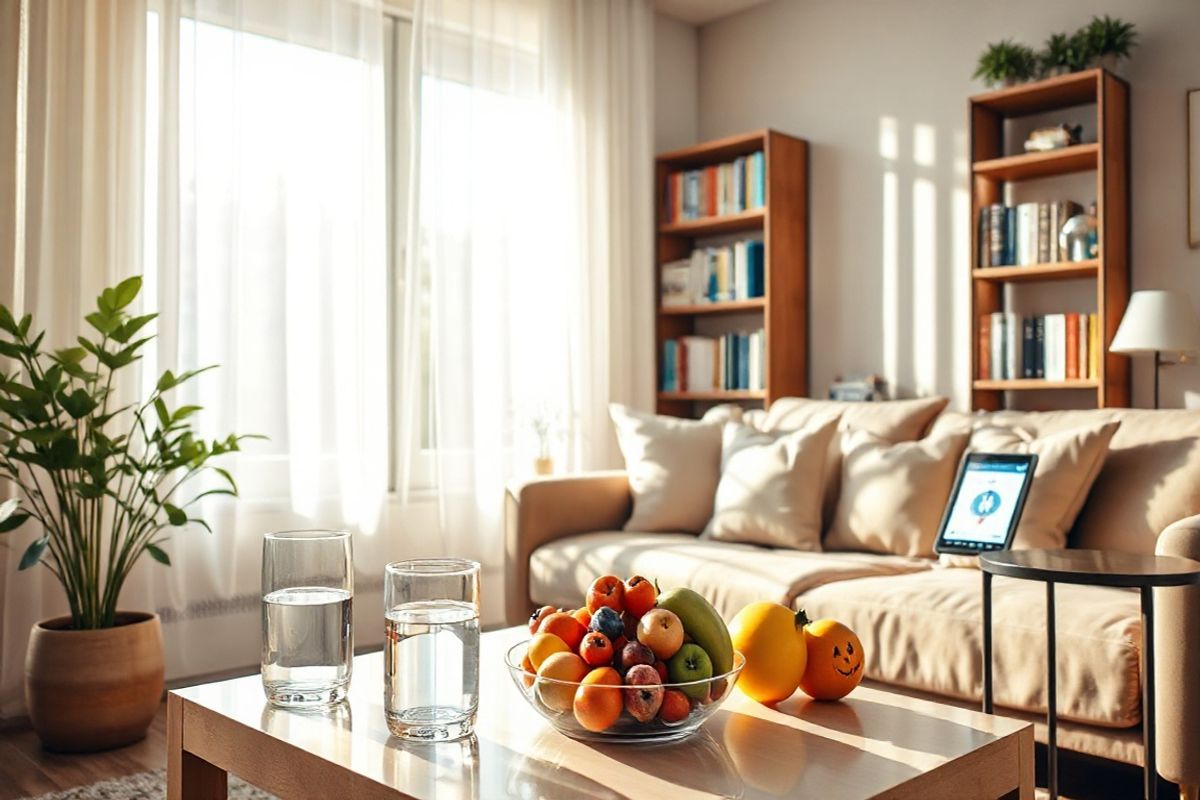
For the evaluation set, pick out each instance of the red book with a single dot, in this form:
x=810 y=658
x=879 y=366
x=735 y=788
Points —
x=1072 y=345
x=683 y=365
x=985 y=347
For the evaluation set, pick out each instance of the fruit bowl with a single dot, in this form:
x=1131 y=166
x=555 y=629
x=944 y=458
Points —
x=552 y=699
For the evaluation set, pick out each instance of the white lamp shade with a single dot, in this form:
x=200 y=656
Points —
x=1157 y=320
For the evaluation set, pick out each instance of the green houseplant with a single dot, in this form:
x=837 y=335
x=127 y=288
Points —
x=106 y=484
x=1063 y=53
x=1108 y=40
x=1006 y=63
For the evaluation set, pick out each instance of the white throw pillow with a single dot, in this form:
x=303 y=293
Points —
x=771 y=485
x=673 y=466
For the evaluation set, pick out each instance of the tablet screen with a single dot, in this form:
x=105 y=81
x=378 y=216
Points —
x=988 y=498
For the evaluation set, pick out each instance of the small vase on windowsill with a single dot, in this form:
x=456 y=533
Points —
x=543 y=465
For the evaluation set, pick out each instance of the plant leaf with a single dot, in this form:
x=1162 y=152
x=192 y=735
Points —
x=127 y=291
x=8 y=507
x=131 y=326
x=158 y=554
x=105 y=323
x=33 y=553
x=78 y=404
x=13 y=522
x=201 y=523
x=160 y=408
x=175 y=514
x=7 y=322
x=167 y=381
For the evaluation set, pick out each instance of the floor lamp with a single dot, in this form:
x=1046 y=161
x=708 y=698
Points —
x=1157 y=321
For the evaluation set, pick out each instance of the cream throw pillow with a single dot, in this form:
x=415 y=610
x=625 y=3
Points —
x=771 y=486
x=673 y=466
x=893 y=495
x=1068 y=463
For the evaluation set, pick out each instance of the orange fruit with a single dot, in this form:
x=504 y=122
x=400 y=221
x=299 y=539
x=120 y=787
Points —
x=583 y=615
x=598 y=700
x=835 y=659
x=527 y=665
x=542 y=645
x=565 y=627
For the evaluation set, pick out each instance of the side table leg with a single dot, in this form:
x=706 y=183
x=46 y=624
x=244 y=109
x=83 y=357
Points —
x=189 y=777
x=1148 y=732
x=987 y=642
x=1051 y=695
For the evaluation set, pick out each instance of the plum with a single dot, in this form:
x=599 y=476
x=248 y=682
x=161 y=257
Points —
x=634 y=654
x=608 y=622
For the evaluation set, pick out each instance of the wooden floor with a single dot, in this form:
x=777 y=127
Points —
x=27 y=770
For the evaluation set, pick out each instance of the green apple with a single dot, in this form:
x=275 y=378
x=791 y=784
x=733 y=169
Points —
x=691 y=663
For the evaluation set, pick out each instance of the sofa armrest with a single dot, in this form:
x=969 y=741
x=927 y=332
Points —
x=1177 y=662
x=546 y=509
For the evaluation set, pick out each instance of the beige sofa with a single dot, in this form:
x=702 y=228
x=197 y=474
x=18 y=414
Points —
x=920 y=621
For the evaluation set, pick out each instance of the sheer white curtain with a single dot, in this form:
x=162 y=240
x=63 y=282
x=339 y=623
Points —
x=232 y=151
x=528 y=282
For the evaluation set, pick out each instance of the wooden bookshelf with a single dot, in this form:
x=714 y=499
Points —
x=995 y=161
x=783 y=227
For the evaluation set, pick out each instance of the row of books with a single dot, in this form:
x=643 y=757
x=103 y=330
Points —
x=715 y=274
x=716 y=190
x=1055 y=347
x=1024 y=234
x=704 y=364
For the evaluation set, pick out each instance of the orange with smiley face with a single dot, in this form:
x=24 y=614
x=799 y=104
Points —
x=835 y=660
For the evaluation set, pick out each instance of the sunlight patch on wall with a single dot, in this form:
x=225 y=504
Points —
x=889 y=138
x=924 y=145
x=925 y=289
x=891 y=278
x=960 y=301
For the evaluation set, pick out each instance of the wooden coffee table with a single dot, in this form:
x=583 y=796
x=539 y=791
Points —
x=874 y=744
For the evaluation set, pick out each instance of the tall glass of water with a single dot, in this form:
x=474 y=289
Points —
x=308 y=592
x=431 y=652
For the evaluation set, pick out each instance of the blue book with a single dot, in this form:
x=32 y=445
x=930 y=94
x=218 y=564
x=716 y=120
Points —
x=1010 y=235
x=743 y=361
x=754 y=257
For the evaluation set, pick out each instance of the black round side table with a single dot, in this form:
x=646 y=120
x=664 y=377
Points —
x=1086 y=568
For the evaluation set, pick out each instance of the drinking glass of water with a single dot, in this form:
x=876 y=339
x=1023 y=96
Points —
x=431 y=648
x=308 y=591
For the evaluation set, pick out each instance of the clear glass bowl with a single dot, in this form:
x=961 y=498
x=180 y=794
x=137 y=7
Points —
x=626 y=728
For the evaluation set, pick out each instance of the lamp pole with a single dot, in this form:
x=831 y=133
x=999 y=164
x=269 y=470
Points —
x=1157 y=364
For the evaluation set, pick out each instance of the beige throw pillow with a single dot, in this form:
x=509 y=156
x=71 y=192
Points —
x=1068 y=463
x=771 y=486
x=673 y=466
x=893 y=495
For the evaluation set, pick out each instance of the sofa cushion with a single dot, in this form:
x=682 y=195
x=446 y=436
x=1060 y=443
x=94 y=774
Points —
x=890 y=420
x=1150 y=478
x=771 y=486
x=673 y=466
x=924 y=631
x=1068 y=463
x=893 y=495
x=729 y=575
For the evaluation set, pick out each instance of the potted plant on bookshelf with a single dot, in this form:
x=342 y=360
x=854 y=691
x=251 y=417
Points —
x=1006 y=63
x=1108 y=40
x=104 y=482
x=1063 y=53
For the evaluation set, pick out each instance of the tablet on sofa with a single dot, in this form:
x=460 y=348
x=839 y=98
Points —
x=985 y=506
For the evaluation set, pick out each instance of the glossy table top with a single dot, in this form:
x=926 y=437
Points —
x=857 y=748
x=1092 y=567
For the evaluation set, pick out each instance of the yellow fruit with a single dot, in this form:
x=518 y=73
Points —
x=702 y=624
x=771 y=637
x=560 y=667
x=542 y=646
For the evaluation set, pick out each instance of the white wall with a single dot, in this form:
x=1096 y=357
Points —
x=890 y=229
x=676 y=77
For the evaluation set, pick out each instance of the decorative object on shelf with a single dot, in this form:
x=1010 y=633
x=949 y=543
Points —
x=858 y=388
x=1054 y=137
x=1193 y=148
x=1079 y=238
x=1006 y=63
x=1158 y=321
x=1063 y=54
x=546 y=427
x=104 y=498
x=1108 y=40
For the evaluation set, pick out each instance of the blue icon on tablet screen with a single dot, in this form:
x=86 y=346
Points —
x=985 y=503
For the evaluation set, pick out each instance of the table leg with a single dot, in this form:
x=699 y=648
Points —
x=987 y=643
x=189 y=777
x=1051 y=695
x=1148 y=732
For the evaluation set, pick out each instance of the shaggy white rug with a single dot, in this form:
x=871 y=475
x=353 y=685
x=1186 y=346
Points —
x=146 y=786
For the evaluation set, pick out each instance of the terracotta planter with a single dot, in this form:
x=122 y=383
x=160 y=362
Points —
x=94 y=690
x=543 y=465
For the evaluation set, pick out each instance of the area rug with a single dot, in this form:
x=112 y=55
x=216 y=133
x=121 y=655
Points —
x=146 y=786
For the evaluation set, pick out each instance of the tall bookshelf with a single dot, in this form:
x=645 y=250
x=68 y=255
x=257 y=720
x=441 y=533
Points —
x=996 y=161
x=782 y=311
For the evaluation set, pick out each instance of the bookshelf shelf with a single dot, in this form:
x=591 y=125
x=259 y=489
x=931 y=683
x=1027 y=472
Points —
x=1103 y=281
x=1028 y=384
x=782 y=226
x=749 y=220
x=1071 y=270
x=716 y=396
x=727 y=307
x=1077 y=158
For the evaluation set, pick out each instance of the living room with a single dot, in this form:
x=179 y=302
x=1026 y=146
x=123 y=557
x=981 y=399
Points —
x=686 y=327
